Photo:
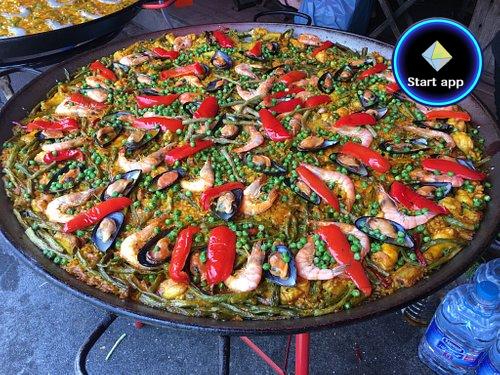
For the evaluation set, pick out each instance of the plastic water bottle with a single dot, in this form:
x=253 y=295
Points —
x=490 y=365
x=463 y=328
x=488 y=272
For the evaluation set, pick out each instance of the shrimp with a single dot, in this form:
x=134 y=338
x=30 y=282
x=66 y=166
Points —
x=144 y=79
x=296 y=123
x=188 y=97
x=145 y=164
x=344 y=182
x=309 y=39
x=349 y=229
x=255 y=140
x=183 y=42
x=97 y=81
x=391 y=212
x=248 y=277
x=429 y=133
x=134 y=59
x=131 y=245
x=313 y=81
x=56 y=208
x=424 y=176
x=59 y=146
x=68 y=108
x=202 y=183
x=192 y=80
x=304 y=95
x=362 y=134
x=250 y=205
x=98 y=94
x=261 y=90
x=245 y=70
x=304 y=260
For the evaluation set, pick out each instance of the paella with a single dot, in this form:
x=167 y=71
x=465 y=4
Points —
x=245 y=175
x=23 y=17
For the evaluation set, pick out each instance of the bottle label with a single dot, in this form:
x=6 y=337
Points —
x=450 y=349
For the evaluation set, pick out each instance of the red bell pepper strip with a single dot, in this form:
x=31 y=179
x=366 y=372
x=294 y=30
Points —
x=445 y=114
x=211 y=193
x=86 y=102
x=183 y=152
x=377 y=68
x=166 y=54
x=412 y=200
x=222 y=39
x=318 y=186
x=208 y=108
x=281 y=94
x=356 y=119
x=323 y=46
x=165 y=123
x=188 y=70
x=101 y=69
x=62 y=155
x=180 y=254
x=340 y=249
x=449 y=166
x=221 y=251
x=287 y=105
x=392 y=88
x=147 y=101
x=293 y=76
x=62 y=124
x=316 y=100
x=417 y=239
x=256 y=50
x=368 y=156
x=273 y=128
x=93 y=215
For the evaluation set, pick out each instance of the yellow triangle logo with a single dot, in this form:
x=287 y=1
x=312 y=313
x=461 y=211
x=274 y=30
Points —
x=439 y=52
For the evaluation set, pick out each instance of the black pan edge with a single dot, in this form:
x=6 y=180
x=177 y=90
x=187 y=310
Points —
x=12 y=232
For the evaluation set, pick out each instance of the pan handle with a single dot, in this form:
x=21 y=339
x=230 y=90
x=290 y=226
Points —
x=161 y=4
x=285 y=12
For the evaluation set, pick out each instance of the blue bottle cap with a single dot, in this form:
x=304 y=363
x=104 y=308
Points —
x=486 y=290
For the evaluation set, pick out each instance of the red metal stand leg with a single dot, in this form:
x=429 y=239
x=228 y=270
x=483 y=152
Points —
x=302 y=354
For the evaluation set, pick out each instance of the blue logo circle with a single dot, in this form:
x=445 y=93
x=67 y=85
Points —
x=437 y=62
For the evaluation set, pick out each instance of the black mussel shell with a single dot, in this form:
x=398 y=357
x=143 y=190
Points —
x=272 y=47
x=221 y=60
x=384 y=230
x=210 y=38
x=120 y=69
x=166 y=179
x=378 y=113
x=368 y=98
x=215 y=85
x=115 y=220
x=278 y=69
x=358 y=64
x=432 y=190
x=70 y=179
x=206 y=71
x=229 y=131
x=116 y=115
x=410 y=146
x=253 y=57
x=300 y=188
x=291 y=273
x=107 y=134
x=315 y=143
x=190 y=107
x=123 y=188
x=344 y=74
x=143 y=137
x=263 y=164
x=350 y=163
x=227 y=204
x=466 y=163
x=285 y=36
x=326 y=83
x=150 y=91
x=144 y=256
x=49 y=134
x=435 y=125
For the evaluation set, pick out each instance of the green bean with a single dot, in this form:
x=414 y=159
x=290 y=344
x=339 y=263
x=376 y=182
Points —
x=229 y=297
x=226 y=155
x=457 y=223
x=116 y=282
x=12 y=156
x=32 y=235
x=19 y=218
x=42 y=170
x=246 y=103
x=330 y=309
x=23 y=169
